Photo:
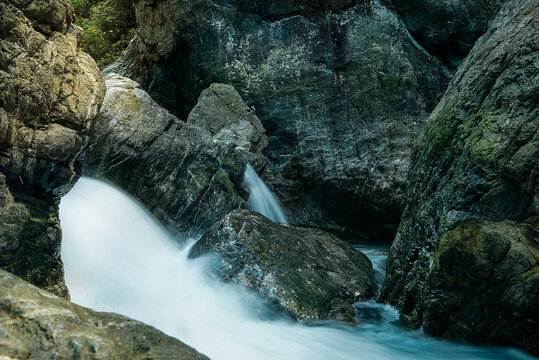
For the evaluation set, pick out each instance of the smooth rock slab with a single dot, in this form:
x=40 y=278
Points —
x=306 y=273
x=38 y=325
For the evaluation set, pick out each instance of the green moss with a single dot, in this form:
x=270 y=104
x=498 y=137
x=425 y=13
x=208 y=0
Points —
x=108 y=27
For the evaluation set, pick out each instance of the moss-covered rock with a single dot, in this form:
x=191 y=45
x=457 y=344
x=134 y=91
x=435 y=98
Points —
x=305 y=273
x=49 y=93
x=35 y=324
x=464 y=263
x=187 y=173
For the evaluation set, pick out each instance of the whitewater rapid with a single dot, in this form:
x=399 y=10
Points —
x=118 y=258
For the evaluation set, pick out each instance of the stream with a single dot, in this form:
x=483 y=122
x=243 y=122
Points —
x=118 y=258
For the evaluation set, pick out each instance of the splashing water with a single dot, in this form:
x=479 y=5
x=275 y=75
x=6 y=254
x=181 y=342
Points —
x=117 y=258
x=261 y=198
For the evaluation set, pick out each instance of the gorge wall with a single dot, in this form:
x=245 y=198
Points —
x=49 y=93
x=341 y=88
x=464 y=263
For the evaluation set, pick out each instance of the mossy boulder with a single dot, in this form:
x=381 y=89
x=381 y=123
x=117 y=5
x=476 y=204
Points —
x=307 y=274
x=35 y=324
x=187 y=173
x=465 y=258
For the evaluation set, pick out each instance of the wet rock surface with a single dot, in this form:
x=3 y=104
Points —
x=341 y=88
x=49 y=93
x=187 y=175
x=307 y=274
x=448 y=29
x=36 y=324
x=464 y=263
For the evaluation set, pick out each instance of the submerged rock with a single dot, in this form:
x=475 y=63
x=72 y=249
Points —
x=448 y=29
x=307 y=274
x=187 y=175
x=36 y=324
x=49 y=93
x=464 y=263
x=341 y=87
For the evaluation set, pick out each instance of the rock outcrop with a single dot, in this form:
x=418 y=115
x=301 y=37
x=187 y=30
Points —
x=448 y=29
x=38 y=325
x=307 y=274
x=187 y=175
x=341 y=87
x=49 y=93
x=464 y=263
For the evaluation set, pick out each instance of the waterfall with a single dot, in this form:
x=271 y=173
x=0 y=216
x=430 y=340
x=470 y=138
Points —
x=261 y=198
x=118 y=258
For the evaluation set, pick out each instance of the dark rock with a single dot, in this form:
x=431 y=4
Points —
x=340 y=86
x=464 y=263
x=49 y=93
x=34 y=324
x=448 y=29
x=185 y=174
x=306 y=273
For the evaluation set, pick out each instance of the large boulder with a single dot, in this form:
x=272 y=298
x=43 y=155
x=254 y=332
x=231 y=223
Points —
x=305 y=273
x=189 y=173
x=49 y=93
x=464 y=263
x=340 y=86
x=35 y=324
x=448 y=29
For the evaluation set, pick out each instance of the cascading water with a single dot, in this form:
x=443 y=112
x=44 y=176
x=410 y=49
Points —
x=118 y=258
x=261 y=198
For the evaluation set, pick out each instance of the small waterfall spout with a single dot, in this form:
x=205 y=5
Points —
x=262 y=199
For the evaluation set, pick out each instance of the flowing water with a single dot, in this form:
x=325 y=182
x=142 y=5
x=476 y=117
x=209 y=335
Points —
x=118 y=258
x=261 y=198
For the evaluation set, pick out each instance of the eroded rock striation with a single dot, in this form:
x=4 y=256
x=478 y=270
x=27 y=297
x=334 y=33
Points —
x=36 y=324
x=464 y=263
x=341 y=88
x=305 y=273
x=49 y=93
x=448 y=29
x=189 y=173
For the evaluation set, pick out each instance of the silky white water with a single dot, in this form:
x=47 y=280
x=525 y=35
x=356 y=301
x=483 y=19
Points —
x=117 y=258
x=261 y=198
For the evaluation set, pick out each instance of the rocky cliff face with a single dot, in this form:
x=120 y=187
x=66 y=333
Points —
x=187 y=173
x=464 y=263
x=49 y=93
x=448 y=29
x=341 y=88
x=36 y=324
x=307 y=274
